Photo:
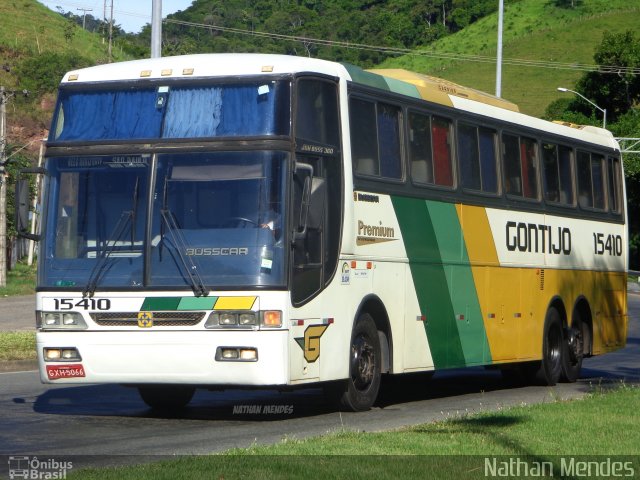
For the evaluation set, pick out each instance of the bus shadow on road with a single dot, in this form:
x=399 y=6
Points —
x=234 y=405
x=273 y=405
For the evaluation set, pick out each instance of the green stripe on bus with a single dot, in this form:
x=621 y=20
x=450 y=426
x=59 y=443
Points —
x=160 y=303
x=430 y=281
x=462 y=288
x=444 y=282
x=197 y=303
x=358 y=75
x=403 y=88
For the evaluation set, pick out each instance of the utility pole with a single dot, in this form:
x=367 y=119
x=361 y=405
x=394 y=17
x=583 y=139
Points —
x=156 y=29
x=4 y=98
x=3 y=188
x=84 y=15
x=110 y=31
x=499 y=53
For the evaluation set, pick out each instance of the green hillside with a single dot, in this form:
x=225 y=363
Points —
x=533 y=30
x=36 y=46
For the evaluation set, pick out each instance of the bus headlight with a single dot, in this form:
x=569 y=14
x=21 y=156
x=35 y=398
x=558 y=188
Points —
x=236 y=354
x=67 y=354
x=60 y=321
x=231 y=319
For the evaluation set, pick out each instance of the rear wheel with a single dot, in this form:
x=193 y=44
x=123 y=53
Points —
x=549 y=369
x=361 y=388
x=573 y=350
x=166 y=398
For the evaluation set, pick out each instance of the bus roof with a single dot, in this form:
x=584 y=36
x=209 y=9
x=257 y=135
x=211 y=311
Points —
x=204 y=65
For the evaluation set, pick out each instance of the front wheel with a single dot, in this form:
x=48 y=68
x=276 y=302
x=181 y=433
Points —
x=166 y=398
x=362 y=386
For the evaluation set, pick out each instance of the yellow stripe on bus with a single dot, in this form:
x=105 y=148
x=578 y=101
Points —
x=234 y=303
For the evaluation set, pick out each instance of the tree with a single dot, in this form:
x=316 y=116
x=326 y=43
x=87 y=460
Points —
x=617 y=92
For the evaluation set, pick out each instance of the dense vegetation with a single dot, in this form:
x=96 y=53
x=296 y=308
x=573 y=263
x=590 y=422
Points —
x=393 y=23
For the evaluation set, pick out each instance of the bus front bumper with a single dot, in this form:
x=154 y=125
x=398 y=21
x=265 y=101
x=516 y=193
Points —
x=166 y=357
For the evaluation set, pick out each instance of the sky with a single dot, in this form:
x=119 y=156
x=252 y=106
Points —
x=130 y=15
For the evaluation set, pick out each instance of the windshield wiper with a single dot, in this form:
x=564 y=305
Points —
x=116 y=234
x=100 y=265
x=180 y=245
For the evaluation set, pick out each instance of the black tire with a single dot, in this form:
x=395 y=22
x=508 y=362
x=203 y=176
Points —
x=360 y=390
x=573 y=350
x=166 y=398
x=548 y=370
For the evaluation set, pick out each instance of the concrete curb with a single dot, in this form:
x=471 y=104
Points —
x=18 y=365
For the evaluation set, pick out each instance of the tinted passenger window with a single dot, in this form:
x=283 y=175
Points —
x=591 y=193
x=520 y=166
x=558 y=180
x=317 y=112
x=375 y=138
x=477 y=156
x=430 y=150
x=615 y=175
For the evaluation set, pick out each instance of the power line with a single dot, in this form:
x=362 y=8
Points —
x=421 y=53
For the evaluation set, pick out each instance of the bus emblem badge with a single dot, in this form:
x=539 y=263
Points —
x=310 y=344
x=145 y=319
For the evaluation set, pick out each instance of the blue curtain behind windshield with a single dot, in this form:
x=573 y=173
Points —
x=193 y=112
x=111 y=115
x=219 y=112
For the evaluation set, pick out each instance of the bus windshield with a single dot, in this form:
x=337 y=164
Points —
x=256 y=108
x=215 y=218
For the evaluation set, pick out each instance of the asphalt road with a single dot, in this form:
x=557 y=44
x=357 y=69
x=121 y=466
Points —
x=18 y=313
x=108 y=423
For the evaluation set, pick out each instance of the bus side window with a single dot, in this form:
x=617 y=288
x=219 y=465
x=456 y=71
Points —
x=585 y=189
x=511 y=162
x=420 y=148
x=317 y=116
x=521 y=166
x=597 y=175
x=529 y=159
x=441 y=139
x=591 y=186
x=614 y=184
x=389 y=141
x=565 y=171
x=364 y=139
x=477 y=154
x=551 y=184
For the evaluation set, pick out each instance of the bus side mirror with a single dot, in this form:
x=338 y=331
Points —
x=22 y=207
x=304 y=177
x=316 y=204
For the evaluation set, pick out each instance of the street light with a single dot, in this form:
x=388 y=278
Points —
x=603 y=110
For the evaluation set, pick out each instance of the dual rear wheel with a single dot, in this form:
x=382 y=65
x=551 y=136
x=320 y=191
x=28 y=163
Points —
x=562 y=351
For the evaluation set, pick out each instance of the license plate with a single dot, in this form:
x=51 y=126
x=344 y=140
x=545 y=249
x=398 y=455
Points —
x=56 y=372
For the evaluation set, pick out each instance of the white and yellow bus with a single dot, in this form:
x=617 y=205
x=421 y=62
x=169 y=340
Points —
x=273 y=221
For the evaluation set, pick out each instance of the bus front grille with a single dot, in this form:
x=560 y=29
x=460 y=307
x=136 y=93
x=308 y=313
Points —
x=160 y=319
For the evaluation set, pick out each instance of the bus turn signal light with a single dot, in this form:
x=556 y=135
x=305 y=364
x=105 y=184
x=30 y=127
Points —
x=272 y=318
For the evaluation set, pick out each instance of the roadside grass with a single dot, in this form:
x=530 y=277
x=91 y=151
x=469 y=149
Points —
x=17 y=346
x=21 y=280
x=601 y=424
